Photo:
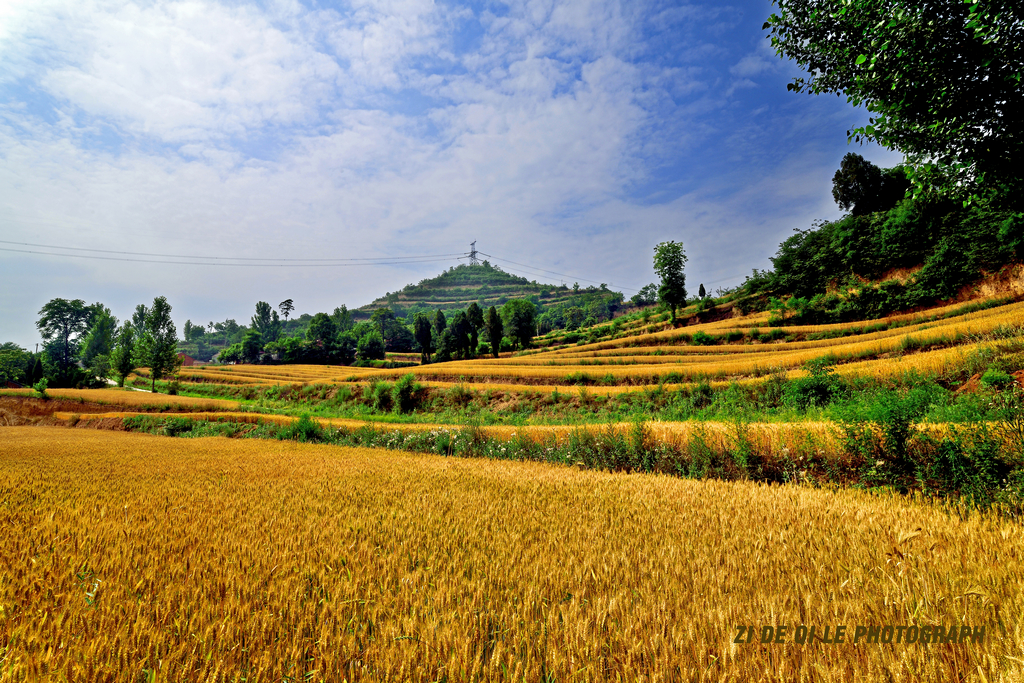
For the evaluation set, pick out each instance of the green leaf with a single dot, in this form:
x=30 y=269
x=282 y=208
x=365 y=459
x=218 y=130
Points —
x=861 y=59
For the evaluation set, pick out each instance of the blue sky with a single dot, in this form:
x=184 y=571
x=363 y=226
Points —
x=570 y=135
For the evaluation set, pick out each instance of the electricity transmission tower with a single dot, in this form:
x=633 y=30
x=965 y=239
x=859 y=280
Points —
x=473 y=261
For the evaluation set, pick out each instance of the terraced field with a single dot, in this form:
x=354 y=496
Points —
x=895 y=345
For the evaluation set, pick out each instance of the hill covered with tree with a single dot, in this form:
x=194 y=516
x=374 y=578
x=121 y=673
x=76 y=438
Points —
x=488 y=285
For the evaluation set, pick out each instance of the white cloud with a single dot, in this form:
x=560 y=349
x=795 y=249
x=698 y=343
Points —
x=283 y=131
x=178 y=71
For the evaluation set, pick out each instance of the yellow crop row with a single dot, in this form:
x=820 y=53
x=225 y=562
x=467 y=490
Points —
x=974 y=323
x=130 y=557
x=843 y=347
x=756 y=321
x=130 y=398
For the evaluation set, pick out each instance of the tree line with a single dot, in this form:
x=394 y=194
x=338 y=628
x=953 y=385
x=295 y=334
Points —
x=338 y=339
x=84 y=344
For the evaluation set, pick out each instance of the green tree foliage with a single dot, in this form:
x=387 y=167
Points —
x=139 y=320
x=647 y=296
x=286 y=307
x=942 y=80
x=123 y=356
x=193 y=333
x=422 y=331
x=824 y=269
x=573 y=318
x=447 y=347
x=342 y=318
x=393 y=331
x=862 y=188
x=702 y=292
x=62 y=324
x=322 y=330
x=440 y=323
x=520 y=320
x=98 y=343
x=669 y=261
x=252 y=346
x=157 y=347
x=475 y=316
x=495 y=330
x=266 y=323
x=371 y=346
x=461 y=332
x=14 y=363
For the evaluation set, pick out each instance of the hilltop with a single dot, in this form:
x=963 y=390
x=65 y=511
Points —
x=489 y=285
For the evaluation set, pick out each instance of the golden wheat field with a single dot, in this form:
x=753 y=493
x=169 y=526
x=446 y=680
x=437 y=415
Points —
x=134 y=399
x=129 y=557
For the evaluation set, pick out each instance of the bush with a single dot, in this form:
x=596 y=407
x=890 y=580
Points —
x=40 y=388
x=703 y=339
x=403 y=394
x=378 y=396
x=820 y=386
x=304 y=430
x=996 y=378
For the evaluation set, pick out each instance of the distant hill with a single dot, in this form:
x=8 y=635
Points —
x=487 y=285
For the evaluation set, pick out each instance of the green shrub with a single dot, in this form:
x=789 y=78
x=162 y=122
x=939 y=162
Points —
x=818 y=388
x=40 y=388
x=996 y=378
x=304 y=429
x=701 y=338
x=403 y=393
x=378 y=396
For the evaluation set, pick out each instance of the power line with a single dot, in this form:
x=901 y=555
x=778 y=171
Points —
x=243 y=265
x=223 y=258
x=551 y=272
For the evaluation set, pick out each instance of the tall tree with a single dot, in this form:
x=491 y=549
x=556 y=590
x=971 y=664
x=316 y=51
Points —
x=669 y=261
x=422 y=332
x=941 y=79
x=100 y=338
x=475 y=316
x=647 y=296
x=139 y=320
x=343 y=319
x=440 y=323
x=123 y=357
x=495 y=330
x=286 y=307
x=863 y=187
x=520 y=319
x=371 y=346
x=322 y=330
x=252 y=346
x=266 y=322
x=460 y=330
x=62 y=323
x=158 y=344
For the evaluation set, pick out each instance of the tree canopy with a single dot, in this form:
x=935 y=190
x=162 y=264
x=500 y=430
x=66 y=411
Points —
x=520 y=321
x=61 y=324
x=862 y=188
x=495 y=330
x=942 y=80
x=158 y=345
x=669 y=261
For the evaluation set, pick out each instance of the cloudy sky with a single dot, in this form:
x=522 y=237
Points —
x=570 y=136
